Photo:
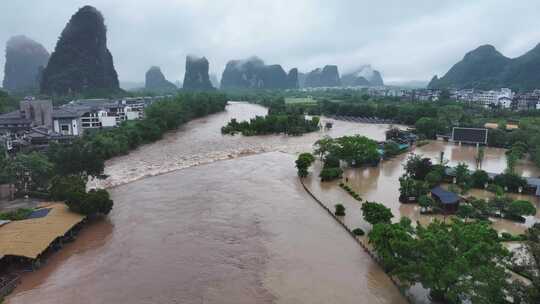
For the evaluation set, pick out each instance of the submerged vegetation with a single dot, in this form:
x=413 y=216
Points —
x=280 y=119
x=355 y=151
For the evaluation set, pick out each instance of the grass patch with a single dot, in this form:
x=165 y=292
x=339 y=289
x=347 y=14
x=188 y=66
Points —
x=17 y=215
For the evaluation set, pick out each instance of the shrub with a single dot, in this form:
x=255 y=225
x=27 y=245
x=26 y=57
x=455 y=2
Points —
x=340 y=210
x=520 y=208
x=434 y=178
x=410 y=189
x=479 y=178
x=303 y=162
x=498 y=190
x=418 y=167
x=511 y=181
x=92 y=203
x=358 y=232
x=426 y=202
x=375 y=213
x=328 y=174
x=466 y=211
x=17 y=215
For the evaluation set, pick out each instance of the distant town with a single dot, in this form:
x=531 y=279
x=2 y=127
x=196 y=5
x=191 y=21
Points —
x=502 y=98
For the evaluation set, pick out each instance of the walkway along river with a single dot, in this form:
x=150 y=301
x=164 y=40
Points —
x=236 y=231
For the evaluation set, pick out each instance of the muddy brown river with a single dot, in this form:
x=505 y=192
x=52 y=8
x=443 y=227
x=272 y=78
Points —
x=204 y=218
x=236 y=231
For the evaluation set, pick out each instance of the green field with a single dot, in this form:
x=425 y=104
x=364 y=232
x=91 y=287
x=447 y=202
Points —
x=292 y=100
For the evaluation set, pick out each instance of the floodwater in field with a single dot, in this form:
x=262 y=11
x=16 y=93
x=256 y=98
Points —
x=381 y=184
x=236 y=231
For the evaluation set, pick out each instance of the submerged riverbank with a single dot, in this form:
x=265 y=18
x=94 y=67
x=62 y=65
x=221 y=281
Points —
x=236 y=231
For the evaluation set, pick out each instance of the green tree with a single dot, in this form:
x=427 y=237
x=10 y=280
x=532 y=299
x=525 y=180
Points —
x=520 y=208
x=78 y=158
x=63 y=187
x=428 y=127
x=511 y=162
x=340 y=210
x=324 y=145
x=466 y=211
x=462 y=175
x=418 y=167
x=357 y=150
x=303 y=162
x=328 y=174
x=93 y=203
x=331 y=161
x=511 y=182
x=458 y=262
x=375 y=213
x=434 y=178
x=479 y=179
x=411 y=188
x=390 y=239
x=31 y=171
x=426 y=203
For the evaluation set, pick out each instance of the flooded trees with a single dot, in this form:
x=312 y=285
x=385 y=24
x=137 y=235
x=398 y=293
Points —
x=280 y=119
x=95 y=202
x=411 y=189
x=375 y=213
x=303 y=162
x=458 y=262
x=328 y=174
x=417 y=167
x=354 y=150
x=340 y=210
x=357 y=150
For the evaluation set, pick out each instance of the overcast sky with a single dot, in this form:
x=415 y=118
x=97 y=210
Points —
x=405 y=40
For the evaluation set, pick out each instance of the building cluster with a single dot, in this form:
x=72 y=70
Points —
x=503 y=98
x=37 y=122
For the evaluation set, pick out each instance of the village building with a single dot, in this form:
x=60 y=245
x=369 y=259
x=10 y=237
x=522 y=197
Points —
x=448 y=201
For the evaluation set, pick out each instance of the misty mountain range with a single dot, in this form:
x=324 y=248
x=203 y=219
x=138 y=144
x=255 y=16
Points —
x=82 y=63
x=486 y=68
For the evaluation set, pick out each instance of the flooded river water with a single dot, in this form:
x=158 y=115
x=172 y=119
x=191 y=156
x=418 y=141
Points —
x=236 y=231
x=241 y=230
